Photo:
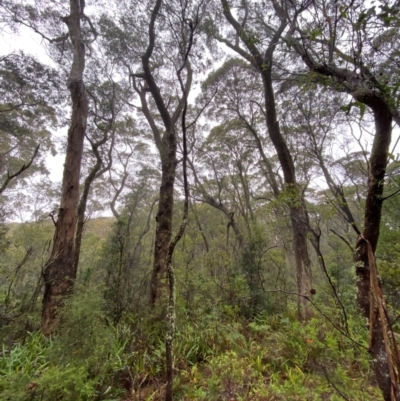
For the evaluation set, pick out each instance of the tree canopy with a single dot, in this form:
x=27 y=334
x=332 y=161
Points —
x=227 y=219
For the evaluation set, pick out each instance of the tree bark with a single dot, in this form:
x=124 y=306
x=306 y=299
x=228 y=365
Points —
x=370 y=234
x=165 y=212
x=298 y=216
x=167 y=147
x=60 y=271
x=380 y=105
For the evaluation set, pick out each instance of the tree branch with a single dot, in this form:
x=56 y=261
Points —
x=20 y=171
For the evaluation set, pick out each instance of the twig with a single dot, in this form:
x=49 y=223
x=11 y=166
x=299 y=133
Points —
x=332 y=383
x=323 y=314
x=322 y=259
x=344 y=240
x=20 y=171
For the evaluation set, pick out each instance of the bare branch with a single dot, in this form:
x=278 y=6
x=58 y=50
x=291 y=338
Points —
x=20 y=171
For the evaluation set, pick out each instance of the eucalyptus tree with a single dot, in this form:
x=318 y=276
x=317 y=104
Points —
x=158 y=64
x=31 y=96
x=49 y=20
x=60 y=271
x=353 y=48
x=223 y=167
x=106 y=120
x=254 y=31
x=238 y=104
x=153 y=43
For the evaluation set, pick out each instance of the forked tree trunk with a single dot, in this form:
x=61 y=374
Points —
x=263 y=61
x=60 y=271
x=380 y=104
x=164 y=213
x=295 y=201
x=167 y=146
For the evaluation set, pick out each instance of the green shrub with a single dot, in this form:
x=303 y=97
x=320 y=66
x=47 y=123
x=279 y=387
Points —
x=82 y=362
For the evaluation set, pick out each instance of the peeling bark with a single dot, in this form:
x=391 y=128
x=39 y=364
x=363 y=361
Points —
x=372 y=220
x=360 y=89
x=60 y=271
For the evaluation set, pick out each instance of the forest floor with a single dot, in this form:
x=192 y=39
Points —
x=217 y=357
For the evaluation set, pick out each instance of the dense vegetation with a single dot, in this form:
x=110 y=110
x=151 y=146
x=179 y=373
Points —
x=227 y=225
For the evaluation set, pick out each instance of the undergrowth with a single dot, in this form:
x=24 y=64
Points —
x=217 y=357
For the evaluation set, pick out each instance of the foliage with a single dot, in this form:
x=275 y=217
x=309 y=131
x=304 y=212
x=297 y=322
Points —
x=81 y=363
x=278 y=358
x=218 y=353
x=237 y=336
x=31 y=96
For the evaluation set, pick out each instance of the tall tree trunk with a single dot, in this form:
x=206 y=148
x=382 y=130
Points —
x=164 y=213
x=378 y=99
x=370 y=234
x=167 y=146
x=263 y=61
x=60 y=271
x=302 y=260
x=295 y=200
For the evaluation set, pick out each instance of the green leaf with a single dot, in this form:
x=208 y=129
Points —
x=361 y=106
x=346 y=108
x=315 y=33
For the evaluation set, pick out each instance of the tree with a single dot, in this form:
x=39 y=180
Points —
x=44 y=19
x=31 y=95
x=106 y=107
x=270 y=31
x=163 y=108
x=147 y=77
x=60 y=271
x=358 y=67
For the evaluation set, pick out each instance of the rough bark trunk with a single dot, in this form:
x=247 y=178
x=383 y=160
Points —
x=302 y=260
x=296 y=204
x=167 y=146
x=82 y=211
x=263 y=62
x=164 y=213
x=372 y=219
x=167 y=149
x=60 y=272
